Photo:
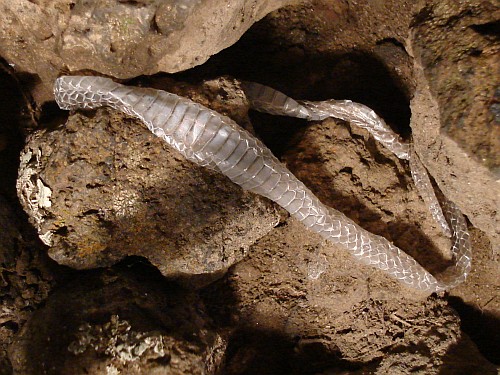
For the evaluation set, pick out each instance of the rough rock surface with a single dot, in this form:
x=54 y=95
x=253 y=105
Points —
x=102 y=187
x=25 y=277
x=458 y=44
x=123 y=39
x=352 y=316
x=119 y=323
x=360 y=52
x=455 y=122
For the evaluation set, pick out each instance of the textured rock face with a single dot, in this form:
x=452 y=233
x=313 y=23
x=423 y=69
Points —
x=457 y=45
x=119 y=323
x=102 y=187
x=351 y=315
x=455 y=119
x=123 y=39
x=25 y=277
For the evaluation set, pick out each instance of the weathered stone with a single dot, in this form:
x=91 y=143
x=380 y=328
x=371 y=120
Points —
x=359 y=51
x=116 y=322
x=26 y=277
x=453 y=121
x=120 y=39
x=457 y=45
x=102 y=187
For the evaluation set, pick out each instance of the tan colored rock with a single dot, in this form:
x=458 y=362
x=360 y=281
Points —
x=456 y=43
x=351 y=312
x=120 y=39
x=454 y=124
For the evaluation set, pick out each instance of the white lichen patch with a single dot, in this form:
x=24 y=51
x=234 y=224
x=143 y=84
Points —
x=42 y=199
x=119 y=342
x=34 y=194
x=46 y=237
x=112 y=370
x=125 y=203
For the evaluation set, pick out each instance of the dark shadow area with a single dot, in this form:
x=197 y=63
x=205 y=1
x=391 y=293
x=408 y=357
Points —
x=27 y=274
x=482 y=327
x=358 y=75
x=490 y=30
x=13 y=112
x=458 y=360
x=263 y=352
x=277 y=132
x=133 y=291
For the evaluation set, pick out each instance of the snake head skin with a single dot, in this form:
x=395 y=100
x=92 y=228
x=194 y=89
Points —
x=82 y=92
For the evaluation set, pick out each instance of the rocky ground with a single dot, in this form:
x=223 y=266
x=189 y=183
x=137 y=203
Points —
x=119 y=257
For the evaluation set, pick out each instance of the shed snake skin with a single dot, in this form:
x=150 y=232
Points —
x=215 y=141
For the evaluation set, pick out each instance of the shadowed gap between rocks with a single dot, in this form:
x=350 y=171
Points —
x=11 y=136
x=359 y=76
x=481 y=327
x=27 y=274
x=267 y=352
x=132 y=290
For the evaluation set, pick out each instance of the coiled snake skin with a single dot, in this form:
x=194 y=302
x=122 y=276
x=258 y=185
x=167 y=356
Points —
x=215 y=141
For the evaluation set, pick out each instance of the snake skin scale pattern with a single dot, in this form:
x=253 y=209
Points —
x=217 y=142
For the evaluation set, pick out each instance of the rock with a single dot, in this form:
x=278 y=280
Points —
x=456 y=44
x=351 y=312
x=363 y=52
x=119 y=323
x=351 y=316
x=453 y=110
x=102 y=187
x=26 y=276
x=349 y=171
x=120 y=39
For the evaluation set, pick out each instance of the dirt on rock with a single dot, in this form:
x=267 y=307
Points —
x=272 y=298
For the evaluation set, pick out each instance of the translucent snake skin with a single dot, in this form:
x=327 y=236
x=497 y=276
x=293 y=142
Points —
x=217 y=142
